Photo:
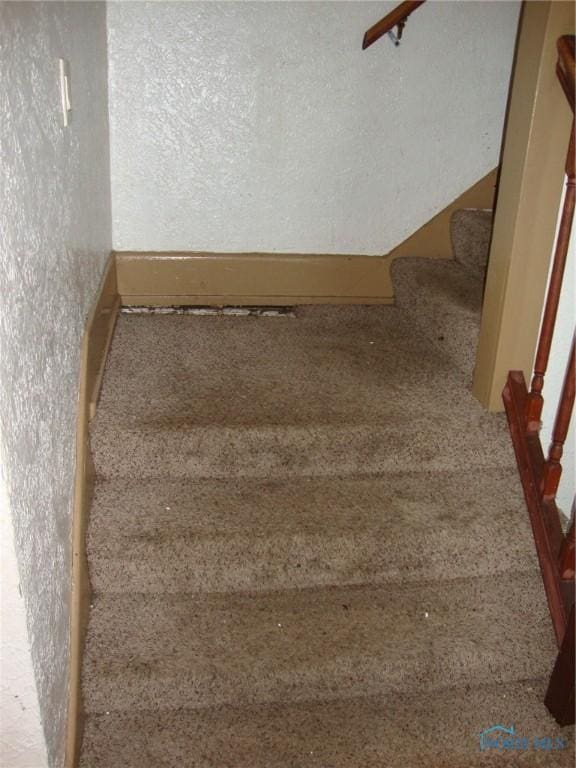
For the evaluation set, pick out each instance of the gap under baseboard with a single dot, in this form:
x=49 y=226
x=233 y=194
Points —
x=224 y=311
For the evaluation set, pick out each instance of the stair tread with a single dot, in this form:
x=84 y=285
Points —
x=198 y=650
x=420 y=730
x=341 y=365
x=165 y=535
x=443 y=299
x=443 y=283
x=419 y=442
x=325 y=393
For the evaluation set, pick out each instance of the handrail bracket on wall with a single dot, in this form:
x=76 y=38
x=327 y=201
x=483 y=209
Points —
x=396 y=37
x=395 y=19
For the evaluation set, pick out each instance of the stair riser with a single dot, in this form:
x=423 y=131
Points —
x=367 y=732
x=292 y=452
x=455 y=336
x=300 y=562
x=324 y=681
x=171 y=651
x=471 y=231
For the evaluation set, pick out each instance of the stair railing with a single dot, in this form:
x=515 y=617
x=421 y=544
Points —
x=541 y=474
x=396 y=18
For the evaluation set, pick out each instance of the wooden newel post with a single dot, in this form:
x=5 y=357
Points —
x=552 y=467
x=560 y=695
x=535 y=401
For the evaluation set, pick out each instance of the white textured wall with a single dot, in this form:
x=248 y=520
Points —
x=563 y=333
x=263 y=125
x=22 y=742
x=55 y=236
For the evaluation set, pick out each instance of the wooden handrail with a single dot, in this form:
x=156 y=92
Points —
x=396 y=18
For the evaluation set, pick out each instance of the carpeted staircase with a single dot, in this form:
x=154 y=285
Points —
x=308 y=544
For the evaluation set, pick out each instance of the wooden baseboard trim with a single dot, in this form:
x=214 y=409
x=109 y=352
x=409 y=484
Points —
x=433 y=240
x=201 y=278
x=95 y=344
x=174 y=278
x=247 y=301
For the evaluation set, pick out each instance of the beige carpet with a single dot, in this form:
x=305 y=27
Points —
x=308 y=544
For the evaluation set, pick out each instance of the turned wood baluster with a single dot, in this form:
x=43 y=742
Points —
x=552 y=467
x=535 y=400
x=568 y=553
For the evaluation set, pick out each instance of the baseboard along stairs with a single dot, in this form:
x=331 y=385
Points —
x=308 y=545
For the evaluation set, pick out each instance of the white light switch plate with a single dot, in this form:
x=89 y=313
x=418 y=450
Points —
x=65 y=91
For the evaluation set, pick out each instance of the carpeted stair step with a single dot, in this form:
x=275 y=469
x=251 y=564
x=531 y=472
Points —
x=433 y=443
x=166 y=536
x=471 y=230
x=336 y=365
x=171 y=651
x=439 y=729
x=444 y=297
x=333 y=391
x=443 y=300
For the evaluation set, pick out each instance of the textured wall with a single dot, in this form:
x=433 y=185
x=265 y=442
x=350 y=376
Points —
x=263 y=126
x=22 y=742
x=54 y=239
